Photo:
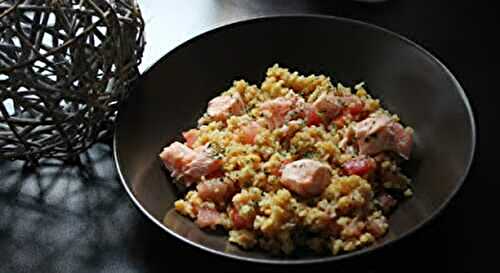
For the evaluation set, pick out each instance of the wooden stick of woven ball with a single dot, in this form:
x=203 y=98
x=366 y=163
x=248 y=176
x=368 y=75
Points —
x=65 y=65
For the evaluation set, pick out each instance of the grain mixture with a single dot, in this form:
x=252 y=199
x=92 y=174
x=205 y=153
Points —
x=295 y=162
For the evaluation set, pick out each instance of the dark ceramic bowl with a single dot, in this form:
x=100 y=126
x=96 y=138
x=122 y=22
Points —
x=172 y=94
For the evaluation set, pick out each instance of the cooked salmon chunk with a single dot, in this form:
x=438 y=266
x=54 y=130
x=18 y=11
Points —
x=208 y=218
x=379 y=133
x=221 y=107
x=176 y=156
x=189 y=164
x=279 y=110
x=306 y=177
x=216 y=190
x=249 y=132
x=328 y=105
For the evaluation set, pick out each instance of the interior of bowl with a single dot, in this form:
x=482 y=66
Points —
x=173 y=93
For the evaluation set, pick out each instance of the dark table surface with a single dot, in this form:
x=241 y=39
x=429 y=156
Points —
x=77 y=218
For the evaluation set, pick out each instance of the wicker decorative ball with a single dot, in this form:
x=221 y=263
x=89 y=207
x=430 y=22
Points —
x=65 y=65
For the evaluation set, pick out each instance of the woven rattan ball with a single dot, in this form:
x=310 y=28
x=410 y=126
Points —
x=65 y=65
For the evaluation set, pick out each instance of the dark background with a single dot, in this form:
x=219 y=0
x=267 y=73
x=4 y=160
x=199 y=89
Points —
x=78 y=218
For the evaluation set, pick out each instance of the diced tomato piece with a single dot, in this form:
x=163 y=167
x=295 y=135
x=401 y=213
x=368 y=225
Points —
x=360 y=165
x=355 y=107
x=313 y=118
x=190 y=136
x=215 y=174
x=240 y=221
x=276 y=172
x=339 y=121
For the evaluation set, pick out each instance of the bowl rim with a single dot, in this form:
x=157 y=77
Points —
x=285 y=261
